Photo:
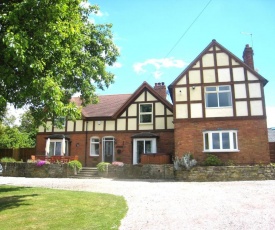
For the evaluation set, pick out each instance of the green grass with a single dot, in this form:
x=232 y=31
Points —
x=41 y=208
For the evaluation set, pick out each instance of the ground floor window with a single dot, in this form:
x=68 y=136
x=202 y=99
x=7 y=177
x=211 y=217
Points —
x=94 y=150
x=220 y=141
x=143 y=146
x=57 y=149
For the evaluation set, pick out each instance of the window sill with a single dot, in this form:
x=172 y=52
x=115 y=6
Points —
x=146 y=123
x=94 y=155
x=221 y=151
x=222 y=107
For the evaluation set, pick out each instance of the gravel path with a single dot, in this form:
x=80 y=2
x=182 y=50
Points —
x=179 y=205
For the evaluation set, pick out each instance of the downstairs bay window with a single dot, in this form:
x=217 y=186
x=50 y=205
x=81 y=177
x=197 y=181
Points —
x=220 y=141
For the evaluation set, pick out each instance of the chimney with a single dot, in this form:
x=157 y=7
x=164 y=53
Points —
x=161 y=89
x=248 y=56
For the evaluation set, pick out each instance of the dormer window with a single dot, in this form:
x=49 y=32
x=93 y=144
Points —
x=218 y=96
x=145 y=113
x=60 y=121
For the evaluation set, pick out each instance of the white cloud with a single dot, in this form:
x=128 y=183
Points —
x=157 y=74
x=158 y=64
x=138 y=68
x=270 y=112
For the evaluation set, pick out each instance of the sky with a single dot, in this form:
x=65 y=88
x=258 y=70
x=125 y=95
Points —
x=157 y=39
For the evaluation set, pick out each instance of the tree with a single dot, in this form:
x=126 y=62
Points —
x=28 y=126
x=49 y=51
x=17 y=136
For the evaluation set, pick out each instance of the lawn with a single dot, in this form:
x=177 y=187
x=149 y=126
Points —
x=42 y=208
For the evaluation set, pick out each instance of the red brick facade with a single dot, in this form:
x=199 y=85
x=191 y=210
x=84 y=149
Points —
x=123 y=145
x=252 y=139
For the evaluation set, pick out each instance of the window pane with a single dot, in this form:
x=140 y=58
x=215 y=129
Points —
x=148 y=146
x=52 y=144
x=234 y=141
x=225 y=141
x=95 y=149
x=211 y=100
x=146 y=108
x=224 y=99
x=221 y=88
x=216 y=140
x=146 y=118
x=206 y=139
x=58 y=149
x=95 y=140
x=210 y=88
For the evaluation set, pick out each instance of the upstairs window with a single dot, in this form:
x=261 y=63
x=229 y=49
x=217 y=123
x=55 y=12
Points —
x=220 y=141
x=145 y=113
x=218 y=96
x=59 y=122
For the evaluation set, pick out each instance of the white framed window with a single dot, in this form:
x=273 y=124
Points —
x=56 y=147
x=60 y=121
x=218 y=96
x=143 y=146
x=146 y=113
x=94 y=146
x=220 y=141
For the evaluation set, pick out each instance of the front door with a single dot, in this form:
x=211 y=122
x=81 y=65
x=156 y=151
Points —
x=108 y=149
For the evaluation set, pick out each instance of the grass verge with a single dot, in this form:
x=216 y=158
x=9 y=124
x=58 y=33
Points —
x=42 y=208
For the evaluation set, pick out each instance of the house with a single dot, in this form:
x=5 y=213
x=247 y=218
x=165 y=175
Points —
x=271 y=140
x=218 y=107
x=118 y=128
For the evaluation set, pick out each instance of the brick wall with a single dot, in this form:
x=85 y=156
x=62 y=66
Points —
x=272 y=151
x=123 y=145
x=252 y=139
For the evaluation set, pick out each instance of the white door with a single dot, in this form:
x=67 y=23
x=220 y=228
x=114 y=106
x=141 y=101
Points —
x=143 y=145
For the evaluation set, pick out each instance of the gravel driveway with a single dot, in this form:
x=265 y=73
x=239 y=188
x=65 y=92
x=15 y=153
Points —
x=179 y=205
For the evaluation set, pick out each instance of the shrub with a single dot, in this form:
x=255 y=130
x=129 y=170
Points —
x=212 y=160
x=102 y=166
x=75 y=164
x=186 y=161
x=7 y=159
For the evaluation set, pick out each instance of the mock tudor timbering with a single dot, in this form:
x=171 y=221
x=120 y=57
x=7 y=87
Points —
x=218 y=107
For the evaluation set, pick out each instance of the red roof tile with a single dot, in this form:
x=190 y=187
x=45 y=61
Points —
x=107 y=105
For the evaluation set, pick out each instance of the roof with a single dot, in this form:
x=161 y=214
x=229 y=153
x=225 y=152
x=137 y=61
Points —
x=112 y=106
x=145 y=135
x=271 y=135
x=144 y=86
x=106 y=107
x=214 y=43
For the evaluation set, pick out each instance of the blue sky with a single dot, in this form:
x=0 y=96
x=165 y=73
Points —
x=146 y=31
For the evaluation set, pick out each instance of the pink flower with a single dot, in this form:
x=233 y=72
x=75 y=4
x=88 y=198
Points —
x=40 y=163
x=118 y=163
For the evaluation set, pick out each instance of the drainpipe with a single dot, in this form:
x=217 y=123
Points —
x=86 y=143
